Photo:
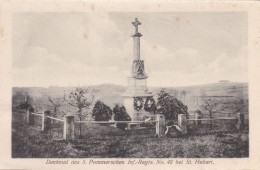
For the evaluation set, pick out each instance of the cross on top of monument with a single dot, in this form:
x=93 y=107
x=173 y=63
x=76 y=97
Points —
x=136 y=23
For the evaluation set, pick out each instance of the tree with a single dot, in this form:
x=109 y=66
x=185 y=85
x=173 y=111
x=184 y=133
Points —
x=170 y=106
x=54 y=104
x=23 y=99
x=25 y=106
x=80 y=98
x=101 y=112
x=121 y=115
x=212 y=106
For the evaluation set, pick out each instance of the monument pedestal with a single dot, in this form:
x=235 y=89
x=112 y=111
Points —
x=136 y=88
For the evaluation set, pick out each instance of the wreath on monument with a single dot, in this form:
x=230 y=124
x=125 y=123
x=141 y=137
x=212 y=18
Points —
x=138 y=103
x=150 y=105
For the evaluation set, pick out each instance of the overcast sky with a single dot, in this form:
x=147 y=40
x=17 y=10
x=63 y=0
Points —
x=179 y=49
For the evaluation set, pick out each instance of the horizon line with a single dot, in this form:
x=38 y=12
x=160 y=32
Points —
x=126 y=85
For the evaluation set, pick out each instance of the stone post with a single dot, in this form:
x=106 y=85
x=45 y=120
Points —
x=197 y=116
x=69 y=129
x=128 y=127
x=29 y=119
x=240 y=121
x=182 y=123
x=160 y=125
x=46 y=122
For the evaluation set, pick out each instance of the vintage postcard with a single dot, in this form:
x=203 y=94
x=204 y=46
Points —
x=120 y=85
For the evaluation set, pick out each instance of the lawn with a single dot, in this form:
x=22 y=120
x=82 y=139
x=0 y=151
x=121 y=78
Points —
x=105 y=141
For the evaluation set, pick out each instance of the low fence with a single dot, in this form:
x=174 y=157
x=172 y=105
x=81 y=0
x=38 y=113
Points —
x=201 y=126
x=46 y=122
x=239 y=118
x=68 y=122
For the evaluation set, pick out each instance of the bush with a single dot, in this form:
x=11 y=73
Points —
x=101 y=112
x=24 y=106
x=121 y=115
x=31 y=109
x=170 y=106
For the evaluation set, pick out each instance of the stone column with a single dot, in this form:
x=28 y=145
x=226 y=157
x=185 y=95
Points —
x=136 y=37
x=136 y=48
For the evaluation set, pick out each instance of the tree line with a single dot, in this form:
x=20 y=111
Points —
x=82 y=98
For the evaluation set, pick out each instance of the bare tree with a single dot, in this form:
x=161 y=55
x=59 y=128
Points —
x=54 y=104
x=81 y=98
x=212 y=105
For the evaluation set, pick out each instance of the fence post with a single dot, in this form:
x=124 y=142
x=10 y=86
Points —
x=128 y=126
x=197 y=116
x=68 y=129
x=240 y=121
x=45 y=121
x=182 y=123
x=29 y=119
x=160 y=125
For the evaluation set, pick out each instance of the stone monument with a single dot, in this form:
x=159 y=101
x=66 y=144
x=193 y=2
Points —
x=137 y=93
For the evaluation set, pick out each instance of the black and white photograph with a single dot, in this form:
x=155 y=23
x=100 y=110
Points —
x=141 y=85
x=137 y=87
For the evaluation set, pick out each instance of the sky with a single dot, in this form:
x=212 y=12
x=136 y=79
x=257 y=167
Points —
x=179 y=49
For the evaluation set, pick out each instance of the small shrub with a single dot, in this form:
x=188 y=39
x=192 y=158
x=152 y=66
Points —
x=170 y=106
x=24 y=106
x=121 y=115
x=101 y=112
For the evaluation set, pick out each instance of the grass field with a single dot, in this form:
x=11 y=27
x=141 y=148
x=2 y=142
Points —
x=103 y=141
